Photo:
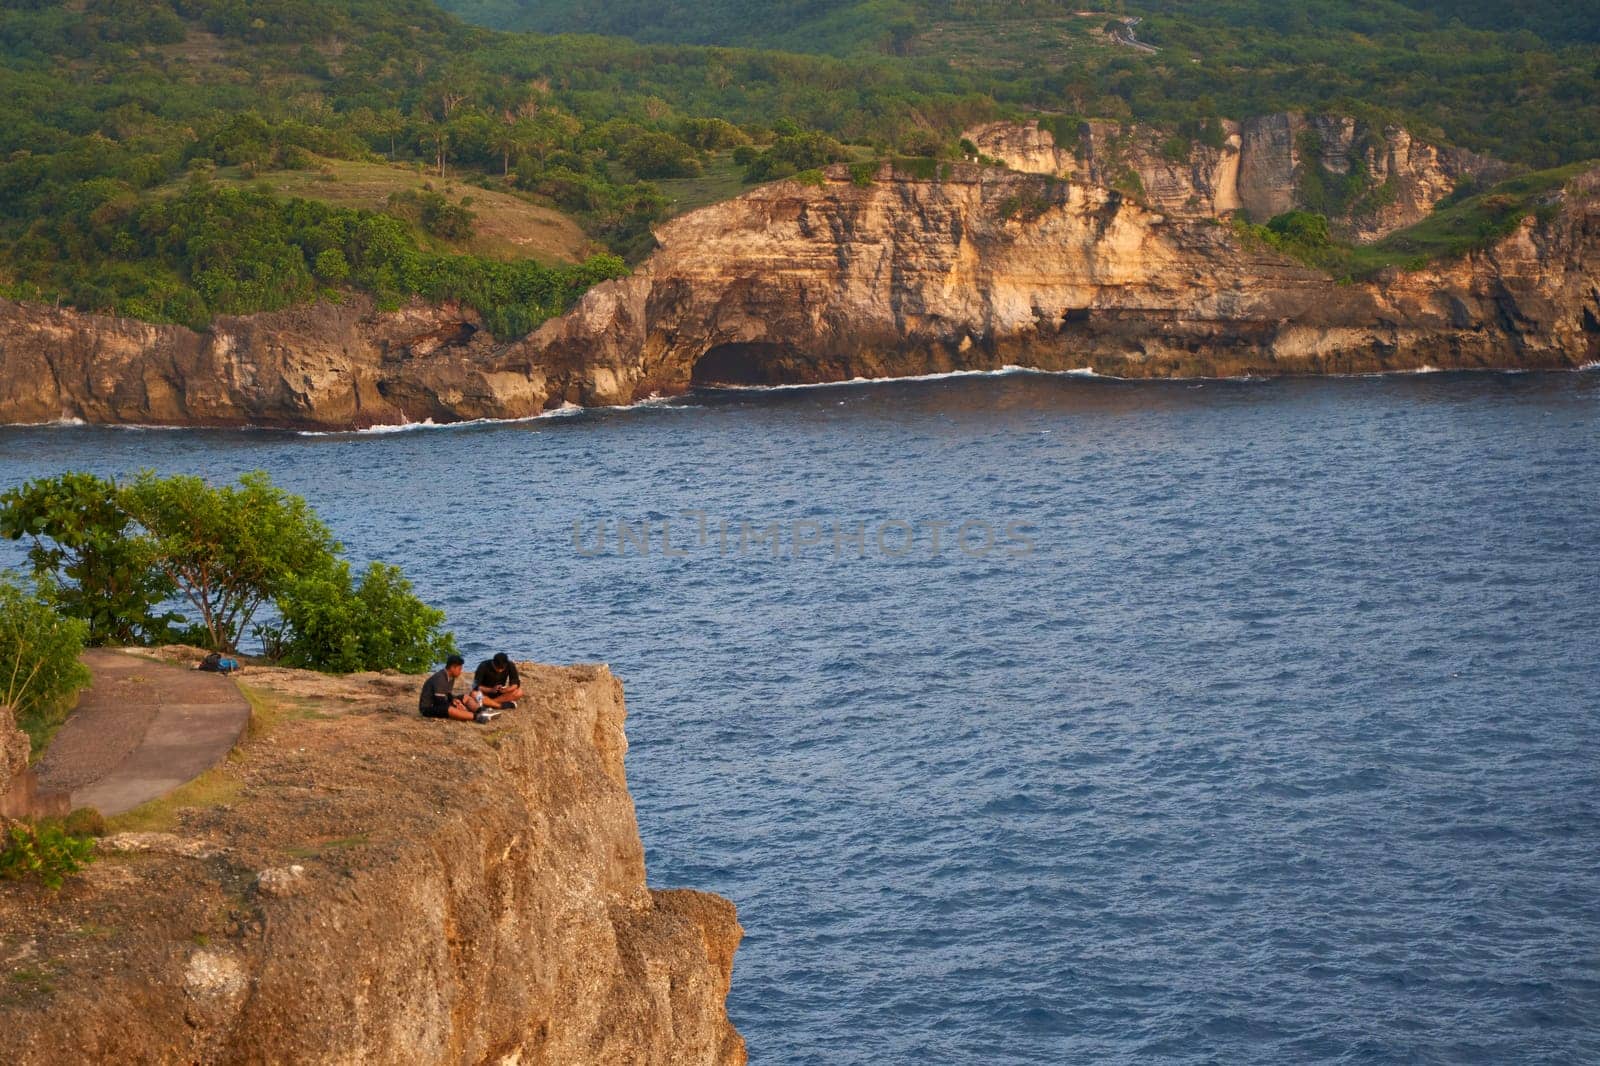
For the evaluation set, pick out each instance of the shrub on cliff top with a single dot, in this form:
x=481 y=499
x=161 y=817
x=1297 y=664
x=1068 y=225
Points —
x=328 y=624
x=39 y=668
x=45 y=852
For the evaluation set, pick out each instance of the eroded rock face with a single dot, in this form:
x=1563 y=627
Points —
x=988 y=268
x=14 y=748
x=1262 y=166
x=382 y=888
x=325 y=366
x=979 y=268
x=14 y=751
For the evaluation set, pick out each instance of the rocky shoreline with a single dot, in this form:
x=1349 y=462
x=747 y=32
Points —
x=977 y=268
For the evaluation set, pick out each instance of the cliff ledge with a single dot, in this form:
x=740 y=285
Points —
x=363 y=885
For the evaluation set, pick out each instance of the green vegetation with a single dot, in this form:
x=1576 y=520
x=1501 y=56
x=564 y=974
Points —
x=330 y=623
x=720 y=178
x=790 y=154
x=1521 y=81
x=39 y=669
x=176 y=159
x=86 y=560
x=1467 y=221
x=504 y=224
x=44 y=852
x=227 y=551
x=218 y=785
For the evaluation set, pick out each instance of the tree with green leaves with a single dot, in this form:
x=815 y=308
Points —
x=89 y=559
x=229 y=549
x=39 y=667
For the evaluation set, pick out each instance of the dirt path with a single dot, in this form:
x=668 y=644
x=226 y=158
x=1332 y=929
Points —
x=140 y=730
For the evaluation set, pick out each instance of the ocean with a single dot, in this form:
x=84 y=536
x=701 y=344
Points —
x=1043 y=719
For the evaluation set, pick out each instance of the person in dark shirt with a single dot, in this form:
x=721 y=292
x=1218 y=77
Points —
x=439 y=699
x=497 y=682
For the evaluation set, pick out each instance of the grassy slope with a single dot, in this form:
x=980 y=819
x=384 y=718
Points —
x=508 y=227
x=1474 y=222
x=1455 y=228
x=720 y=179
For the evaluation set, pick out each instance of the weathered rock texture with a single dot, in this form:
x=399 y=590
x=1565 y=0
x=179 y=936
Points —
x=14 y=752
x=988 y=268
x=979 y=268
x=382 y=888
x=331 y=365
x=1371 y=181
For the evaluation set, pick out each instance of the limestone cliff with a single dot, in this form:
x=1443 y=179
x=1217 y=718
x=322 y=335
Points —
x=1370 y=181
x=329 y=365
x=985 y=268
x=975 y=268
x=363 y=885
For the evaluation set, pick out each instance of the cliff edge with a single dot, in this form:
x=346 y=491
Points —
x=890 y=274
x=364 y=885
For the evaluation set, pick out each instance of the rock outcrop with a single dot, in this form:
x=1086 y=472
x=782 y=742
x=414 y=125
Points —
x=976 y=268
x=985 y=268
x=328 y=365
x=1370 y=181
x=365 y=885
x=14 y=751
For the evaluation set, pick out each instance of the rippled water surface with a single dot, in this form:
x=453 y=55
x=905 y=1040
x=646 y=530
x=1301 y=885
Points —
x=1280 y=744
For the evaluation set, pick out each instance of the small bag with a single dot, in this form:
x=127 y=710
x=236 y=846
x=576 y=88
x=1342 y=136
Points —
x=216 y=663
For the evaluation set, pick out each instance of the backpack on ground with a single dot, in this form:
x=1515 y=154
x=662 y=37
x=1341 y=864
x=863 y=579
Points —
x=217 y=663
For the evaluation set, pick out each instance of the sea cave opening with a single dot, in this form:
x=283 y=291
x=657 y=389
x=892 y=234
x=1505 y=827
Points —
x=747 y=364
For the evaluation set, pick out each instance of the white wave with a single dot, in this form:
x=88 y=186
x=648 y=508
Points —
x=1590 y=366
x=49 y=424
x=1005 y=371
x=429 y=423
x=79 y=423
x=566 y=410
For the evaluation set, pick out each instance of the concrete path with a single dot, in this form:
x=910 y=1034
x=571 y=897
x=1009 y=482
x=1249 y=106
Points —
x=140 y=730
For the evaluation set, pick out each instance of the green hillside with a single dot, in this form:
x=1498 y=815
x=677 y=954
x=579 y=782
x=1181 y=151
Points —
x=175 y=159
x=1521 y=81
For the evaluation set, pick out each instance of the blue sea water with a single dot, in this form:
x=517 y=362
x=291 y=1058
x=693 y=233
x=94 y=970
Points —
x=1265 y=730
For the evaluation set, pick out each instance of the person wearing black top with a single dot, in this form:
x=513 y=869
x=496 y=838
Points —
x=497 y=682
x=439 y=700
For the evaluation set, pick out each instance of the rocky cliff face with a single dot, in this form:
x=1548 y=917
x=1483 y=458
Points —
x=327 y=366
x=1369 y=181
x=978 y=268
x=15 y=749
x=987 y=268
x=367 y=886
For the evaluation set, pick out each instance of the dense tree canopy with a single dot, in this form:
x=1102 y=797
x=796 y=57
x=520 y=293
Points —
x=1520 y=80
x=113 y=558
x=133 y=133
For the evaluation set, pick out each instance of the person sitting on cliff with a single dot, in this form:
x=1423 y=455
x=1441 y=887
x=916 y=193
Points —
x=497 y=681
x=439 y=699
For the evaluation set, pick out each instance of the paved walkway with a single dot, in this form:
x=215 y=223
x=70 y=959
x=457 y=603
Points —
x=140 y=730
